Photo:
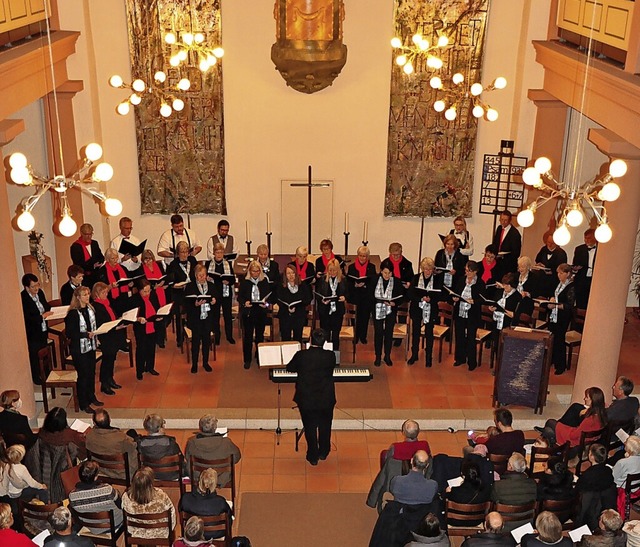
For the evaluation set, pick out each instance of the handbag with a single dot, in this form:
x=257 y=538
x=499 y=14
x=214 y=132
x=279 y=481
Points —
x=71 y=476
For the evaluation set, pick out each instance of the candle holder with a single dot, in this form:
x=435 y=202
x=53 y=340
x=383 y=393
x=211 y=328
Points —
x=365 y=243
x=249 y=248
x=268 y=234
x=346 y=244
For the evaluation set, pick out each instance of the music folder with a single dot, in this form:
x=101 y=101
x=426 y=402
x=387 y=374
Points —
x=327 y=298
x=162 y=312
x=492 y=303
x=58 y=312
x=127 y=280
x=106 y=327
x=427 y=292
x=290 y=304
x=157 y=281
x=359 y=279
x=452 y=293
x=231 y=278
x=390 y=299
x=128 y=248
x=260 y=302
x=200 y=296
x=277 y=354
x=231 y=256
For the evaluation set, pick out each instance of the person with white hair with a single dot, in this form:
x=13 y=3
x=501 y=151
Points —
x=203 y=500
x=63 y=534
x=630 y=464
x=156 y=444
x=515 y=487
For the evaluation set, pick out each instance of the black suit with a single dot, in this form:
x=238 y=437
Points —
x=551 y=260
x=383 y=328
x=584 y=275
x=315 y=396
x=559 y=328
x=66 y=293
x=331 y=322
x=292 y=322
x=89 y=266
x=466 y=327
x=415 y=311
x=110 y=343
x=201 y=328
x=15 y=429
x=33 y=323
x=361 y=297
x=253 y=318
x=458 y=265
x=145 y=341
x=176 y=274
x=512 y=244
x=84 y=362
x=224 y=304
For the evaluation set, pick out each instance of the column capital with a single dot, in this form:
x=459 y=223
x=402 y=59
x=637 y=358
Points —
x=9 y=130
x=612 y=145
x=544 y=99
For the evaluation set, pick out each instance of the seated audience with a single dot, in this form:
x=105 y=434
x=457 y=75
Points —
x=21 y=484
x=144 y=498
x=493 y=535
x=104 y=439
x=63 y=535
x=405 y=449
x=8 y=536
x=192 y=535
x=472 y=490
x=209 y=445
x=14 y=427
x=557 y=481
x=508 y=440
x=414 y=488
x=429 y=532
x=204 y=500
x=629 y=465
x=549 y=531
x=596 y=487
x=609 y=532
x=447 y=467
x=90 y=495
x=157 y=445
x=623 y=408
x=515 y=487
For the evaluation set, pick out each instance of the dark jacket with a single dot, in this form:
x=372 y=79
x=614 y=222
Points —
x=193 y=311
x=73 y=540
x=458 y=265
x=196 y=503
x=315 y=388
x=475 y=312
x=158 y=446
x=415 y=296
x=512 y=244
x=15 y=429
x=360 y=295
x=33 y=317
x=89 y=266
x=532 y=540
x=514 y=489
x=487 y=539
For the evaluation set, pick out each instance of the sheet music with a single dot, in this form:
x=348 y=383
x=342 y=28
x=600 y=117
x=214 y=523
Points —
x=131 y=315
x=106 y=327
x=59 y=312
x=269 y=356
x=288 y=351
x=521 y=531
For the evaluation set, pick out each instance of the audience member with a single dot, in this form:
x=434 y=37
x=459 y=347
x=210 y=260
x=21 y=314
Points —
x=14 y=427
x=143 y=498
x=429 y=533
x=209 y=445
x=508 y=440
x=472 y=490
x=63 y=535
x=596 y=487
x=405 y=449
x=609 y=532
x=493 y=535
x=91 y=495
x=156 y=444
x=204 y=500
x=557 y=481
x=21 y=484
x=549 y=531
x=414 y=488
x=192 y=534
x=630 y=464
x=104 y=439
x=10 y=537
x=515 y=487
x=623 y=408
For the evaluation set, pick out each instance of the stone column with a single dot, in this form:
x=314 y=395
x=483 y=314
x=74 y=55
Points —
x=602 y=336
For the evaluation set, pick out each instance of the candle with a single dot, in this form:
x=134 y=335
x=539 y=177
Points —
x=366 y=229
x=268 y=222
x=346 y=222
x=246 y=226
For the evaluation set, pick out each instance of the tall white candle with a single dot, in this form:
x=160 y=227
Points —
x=246 y=226
x=268 y=222
x=346 y=222
x=366 y=229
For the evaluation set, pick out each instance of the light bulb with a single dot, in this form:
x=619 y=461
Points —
x=174 y=61
x=526 y=218
x=435 y=82
x=17 y=159
x=562 y=236
x=21 y=175
x=424 y=44
x=67 y=226
x=396 y=42
x=457 y=78
x=26 y=222
x=500 y=83
x=437 y=63
x=198 y=37
x=401 y=60
x=443 y=41
x=184 y=84
x=203 y=65
x=431 y=61
x=617 y=168
x=416 y=38
x=542 y=165
x=103 y=172
x=138 y=85
x=182 y=55
x=450 y=113
x=603 y=233
x=123 y=108
x=113 y=207
x=135 y=99
x=160 y=76
x=93 y=151
x=609 y=192
x=492 y=114
x=170 y=38
x=476 y=89
x=187 y=38
x=575 y=217
x=178 y=105
x=478 y=111
x=218 y=52
x=165 y=110
x=212 y=60
x=530 y=176
x=439 y=106
x=408 y=68
x=115 y=81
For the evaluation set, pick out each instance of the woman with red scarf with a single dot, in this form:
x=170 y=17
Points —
x=490 y=271
x=305 y=270
x=154 y=272
x=360 y=275
x=402 y=268
x=110 y=274
x=86 y=253
x=326 y=248
x=110 y=342
x=145 y=329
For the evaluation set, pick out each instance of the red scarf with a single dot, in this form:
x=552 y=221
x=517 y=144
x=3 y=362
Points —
x=111 y=277
x=302 y=270
x=155 y=273
x=396 y=266
x=84 y=246
x=325 y=260
x=361 y=268
x=107 y=306
x=486 y=274
x=149 y=311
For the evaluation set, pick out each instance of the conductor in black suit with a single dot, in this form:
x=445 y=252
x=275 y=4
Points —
x=315 y=395
x=507 y=240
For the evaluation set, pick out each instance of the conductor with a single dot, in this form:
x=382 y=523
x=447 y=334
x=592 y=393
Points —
x=315 y=394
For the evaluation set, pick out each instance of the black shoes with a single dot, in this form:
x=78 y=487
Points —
x=472 y=367
x=139 y=376
x=312 y=462
x=388 y=361
x=412 y=360
x=88 y=410
x=207 y=367
x=247 y=364
x=428 y=364
x=153 y=372
x=231 y=340
x=397 y=342
x=95 y=402
x=115 y=386
x=459 y=363
x=194 y=370
x=107 y=390
x=323 y=456
x=538 y=428
x=377 y=362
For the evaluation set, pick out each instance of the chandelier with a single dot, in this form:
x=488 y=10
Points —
x=191 y=47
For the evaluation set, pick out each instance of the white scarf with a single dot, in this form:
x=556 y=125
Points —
x=36 y=300
x=448 y=278
x=463 y=311
x=206 y=307
x=382 y=308
x=554 y=312
x=87 y=344
x=333 y=285
x=425 y=306
x=521 y=283
x=498 y=316
x=226 y=270
x=293 y=288
x=255 y=291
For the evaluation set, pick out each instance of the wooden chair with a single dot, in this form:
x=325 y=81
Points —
x=541 y=455
x=631 y=493
x=188 y=340
x=117 y=463
x=439 y=334
x=401 y=328
x=168 y=464
x=573 y=337
x=466 y=512
x=225 y=468
x=56 y=379
x=348 y=329
x=213 y=523
x=490 y=325
x=98 y=520
x=499 y=462
x=565 y=510
x=516 y=513
x=484 y=335
x=34 y=517
x=445 y=312
x=65 y=352
x=270 y=326
x=613 y=442
x=148 y=521
x=587 y=438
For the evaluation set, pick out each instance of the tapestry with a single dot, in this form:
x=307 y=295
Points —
x=430 y=159
x=180 y=158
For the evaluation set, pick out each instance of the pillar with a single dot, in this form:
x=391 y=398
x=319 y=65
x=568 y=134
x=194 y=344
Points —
x=602 y=335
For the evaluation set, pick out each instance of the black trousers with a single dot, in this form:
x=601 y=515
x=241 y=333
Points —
x=107 y=365
x=253 y=323
x=201 y=336
x=466 y=330
x=363 y=314
x=559 y=350
x=416 y=330
x=34 y=345
x=85 y=364
x=317 y=430
x=383 y=335
x=177 y=313
x=331 y=323
x=291 y=324
x=145 y=352
x=224 y=305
